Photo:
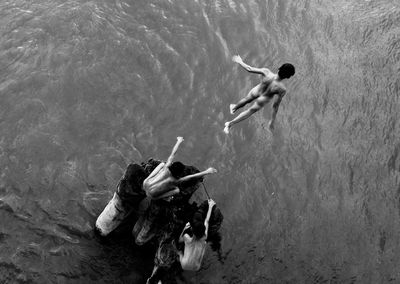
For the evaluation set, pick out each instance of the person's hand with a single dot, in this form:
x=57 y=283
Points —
x=211 y=170
x=211 y=202
x=187 y=226
x=237 y=58
x=180 y=139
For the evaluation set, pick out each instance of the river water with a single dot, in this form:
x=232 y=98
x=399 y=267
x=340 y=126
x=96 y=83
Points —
x=86 y=87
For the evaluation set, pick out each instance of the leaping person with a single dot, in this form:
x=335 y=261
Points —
x=271 y=85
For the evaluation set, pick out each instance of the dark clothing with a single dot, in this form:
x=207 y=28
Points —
x=152 y=222
x=166 y=254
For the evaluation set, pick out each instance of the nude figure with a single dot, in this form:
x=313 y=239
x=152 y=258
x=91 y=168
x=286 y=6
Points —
x=270 y=86
x=164 y=180
x=195 y=246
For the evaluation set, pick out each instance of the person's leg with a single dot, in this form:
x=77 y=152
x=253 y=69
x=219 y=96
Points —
x=260 y=102
x=165 y=193
x=247 y=99
x=169 y=194
x=242 y=116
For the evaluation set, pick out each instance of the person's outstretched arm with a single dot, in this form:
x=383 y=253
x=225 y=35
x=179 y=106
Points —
x=211 y=204
x=198 y=175
x=275 y=107
x=249 y=68
x=172 y=156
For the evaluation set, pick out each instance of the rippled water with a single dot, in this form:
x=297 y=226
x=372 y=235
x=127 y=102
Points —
x=88 y=86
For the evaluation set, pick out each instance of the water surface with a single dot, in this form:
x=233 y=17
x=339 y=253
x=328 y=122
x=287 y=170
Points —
x=87 y=87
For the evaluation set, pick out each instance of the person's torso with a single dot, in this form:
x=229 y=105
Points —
x=161 y=181
x=269 y=86
x=193 y=254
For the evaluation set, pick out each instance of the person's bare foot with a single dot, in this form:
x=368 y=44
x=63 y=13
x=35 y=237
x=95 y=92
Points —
x=227 y=127
x=232 y=108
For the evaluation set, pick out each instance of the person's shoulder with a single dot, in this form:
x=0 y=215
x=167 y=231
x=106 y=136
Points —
x=267 y=72
x=187 y=238
x=280 y=87
x=164 y=169
x=159 y=167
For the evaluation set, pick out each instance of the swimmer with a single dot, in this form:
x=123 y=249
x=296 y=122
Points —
x=195 y=246
x=271 y=85
x=164 y=180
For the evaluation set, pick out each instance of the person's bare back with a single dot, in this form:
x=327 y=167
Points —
x=160 y=183
x=193 y=253
x=164 y=180
x=195 y=246
x=270 y=85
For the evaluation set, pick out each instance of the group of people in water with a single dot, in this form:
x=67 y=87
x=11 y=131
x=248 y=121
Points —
x=164 y=182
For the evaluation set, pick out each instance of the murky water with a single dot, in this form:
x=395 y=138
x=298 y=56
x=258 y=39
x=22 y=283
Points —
x=88 y=86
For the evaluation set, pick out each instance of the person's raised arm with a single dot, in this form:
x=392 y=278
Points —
x=197 y=175
x=211 y=204
x=249 y=68
x=275 y=108
x=172 y=156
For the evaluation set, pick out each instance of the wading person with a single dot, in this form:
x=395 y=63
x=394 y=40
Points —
x=270 y=86
x=165 y=179
x=195 y=245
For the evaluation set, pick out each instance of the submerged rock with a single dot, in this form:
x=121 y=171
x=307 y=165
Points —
x=158 y=222
x=130 y=197
x=126 y=200
x=159 y=214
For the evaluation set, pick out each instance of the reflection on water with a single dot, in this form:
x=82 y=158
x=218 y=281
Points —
x=88 y=86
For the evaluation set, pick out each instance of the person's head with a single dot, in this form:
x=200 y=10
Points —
x=176 y=169
x=286 y=71
x=198 y=229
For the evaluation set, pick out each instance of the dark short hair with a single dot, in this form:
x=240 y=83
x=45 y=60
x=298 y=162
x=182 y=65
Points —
x=198 y=229
x=286 y=71
x=176 y=169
